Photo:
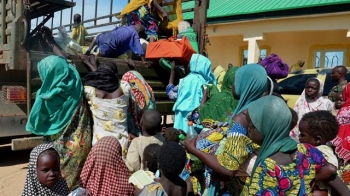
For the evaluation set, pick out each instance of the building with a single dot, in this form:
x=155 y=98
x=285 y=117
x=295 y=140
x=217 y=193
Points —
x=316 y=32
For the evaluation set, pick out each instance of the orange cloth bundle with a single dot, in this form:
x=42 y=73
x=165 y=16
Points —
x=179 y=50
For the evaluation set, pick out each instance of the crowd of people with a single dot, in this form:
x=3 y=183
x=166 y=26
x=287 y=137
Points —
x=99 y=130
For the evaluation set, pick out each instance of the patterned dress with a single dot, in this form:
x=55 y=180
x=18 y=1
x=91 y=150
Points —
x=73 y=144
x=110 y=115
x=154 y=189
x=291 y=179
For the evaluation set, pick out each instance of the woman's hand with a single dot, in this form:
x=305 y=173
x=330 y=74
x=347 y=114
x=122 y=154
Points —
x=190 y=145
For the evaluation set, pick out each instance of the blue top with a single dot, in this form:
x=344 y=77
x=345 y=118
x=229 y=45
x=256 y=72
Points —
x=118 y=41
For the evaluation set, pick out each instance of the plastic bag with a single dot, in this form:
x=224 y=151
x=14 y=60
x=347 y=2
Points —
x=66 y=43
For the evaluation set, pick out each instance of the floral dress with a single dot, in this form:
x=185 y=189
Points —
x=291 y=179
x=110 y=115
x=73 y=144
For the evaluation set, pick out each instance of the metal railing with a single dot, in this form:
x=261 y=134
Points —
x=96 y=26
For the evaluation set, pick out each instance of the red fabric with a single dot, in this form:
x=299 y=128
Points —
x=105 y=172
x=179 y=50
x=346 y=95
x=342 y=141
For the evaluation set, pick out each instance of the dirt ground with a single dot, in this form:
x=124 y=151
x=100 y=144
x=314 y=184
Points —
x=13 y=169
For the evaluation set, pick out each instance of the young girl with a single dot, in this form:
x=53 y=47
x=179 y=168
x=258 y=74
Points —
x=317 y=128
x=282 y=167
x=44 y=175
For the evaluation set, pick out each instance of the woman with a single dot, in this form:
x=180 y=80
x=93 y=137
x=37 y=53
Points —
x=190 y=89
x=310 y=100
x=282 y=167
x=219 y=73
x=61 y=115
x=141 y=99
x=342 y=142
x=105 y=172
x=221 y=105
x=141 y=12
x=108 y=100
x=225 y=149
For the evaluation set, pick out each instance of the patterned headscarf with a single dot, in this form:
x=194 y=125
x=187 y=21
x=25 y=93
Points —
x=32 y=185
x=105 y=172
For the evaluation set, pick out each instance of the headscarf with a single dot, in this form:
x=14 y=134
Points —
x=105 y=172
x=219 y=73
x=33 y=186
x=221 y=105
x=275 y=67
x=271 y=117
x=58 y=97
x=103 y=79
x=341 y=142
x=250 y=85
x=141 y=99
x=305 y=105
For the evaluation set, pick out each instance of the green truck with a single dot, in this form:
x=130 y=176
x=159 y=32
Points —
x=19 y=79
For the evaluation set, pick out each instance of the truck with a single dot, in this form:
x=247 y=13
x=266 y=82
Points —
x=19 y=78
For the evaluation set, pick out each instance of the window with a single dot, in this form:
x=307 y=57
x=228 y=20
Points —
x=263 y=54
x=328 y=58
x=294 y=85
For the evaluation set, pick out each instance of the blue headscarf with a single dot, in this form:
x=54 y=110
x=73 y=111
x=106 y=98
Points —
x=250 y=84
x=58 y=97
x=190 y=89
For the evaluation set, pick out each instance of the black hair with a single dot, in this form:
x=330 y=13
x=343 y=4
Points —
x=49 y=151
x=77 y=18
x=172 y=134
x=150 y=155
x=321 y=123
x=171 y=159
x=294 y=118
x=151 y=120
x=111 y=66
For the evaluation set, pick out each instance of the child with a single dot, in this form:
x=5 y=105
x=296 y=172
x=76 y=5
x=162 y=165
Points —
x=317 y=128
x=78 y=32
x=171 y=134
x=150 y=157
x=44 y=175
x=150 y=124
x=339 y=101
x=171 y=161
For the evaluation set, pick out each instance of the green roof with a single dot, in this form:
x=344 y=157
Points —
x=225 y=8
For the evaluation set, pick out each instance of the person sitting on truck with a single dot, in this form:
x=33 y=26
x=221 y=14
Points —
x=141 y=12
x=108 y=100
x=78 y=32
x=43 y=40
x=61 y=115
x=118 y=41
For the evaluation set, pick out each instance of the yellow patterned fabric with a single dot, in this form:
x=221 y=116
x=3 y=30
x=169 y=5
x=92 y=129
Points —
x=237 y=148
x=78 y=34
x=292 y=179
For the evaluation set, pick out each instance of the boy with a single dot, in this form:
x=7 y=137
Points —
x=78 y=32
x=150 y=124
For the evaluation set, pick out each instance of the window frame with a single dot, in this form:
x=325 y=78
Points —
x=242 y=48
x=327 y=48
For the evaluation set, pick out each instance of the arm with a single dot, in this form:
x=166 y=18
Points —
x=209 y=160
x=56 y=49
x=160 y=9
x=172 y=73
x=338 y=185
x=132 y=158
x=205 y=96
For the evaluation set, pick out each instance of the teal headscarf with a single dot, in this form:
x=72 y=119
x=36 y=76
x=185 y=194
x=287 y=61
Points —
x=190 y=89
x=250 y=84
x=57 y=99
x=272 y=117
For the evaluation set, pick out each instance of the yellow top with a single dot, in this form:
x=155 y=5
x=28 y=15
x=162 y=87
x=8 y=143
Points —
x=79 y=33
